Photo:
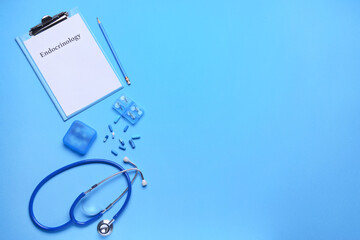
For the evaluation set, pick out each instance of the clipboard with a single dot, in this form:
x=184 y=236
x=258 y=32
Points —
x=69 y=62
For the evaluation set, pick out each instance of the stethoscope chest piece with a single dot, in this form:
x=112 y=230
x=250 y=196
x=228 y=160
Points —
x=105 y=227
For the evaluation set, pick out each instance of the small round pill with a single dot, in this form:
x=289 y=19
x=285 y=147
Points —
x=123 y=98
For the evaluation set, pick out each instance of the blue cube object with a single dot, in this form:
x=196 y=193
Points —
x=79 y=137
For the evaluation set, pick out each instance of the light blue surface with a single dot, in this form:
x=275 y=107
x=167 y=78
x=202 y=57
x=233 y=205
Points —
x=252 y=126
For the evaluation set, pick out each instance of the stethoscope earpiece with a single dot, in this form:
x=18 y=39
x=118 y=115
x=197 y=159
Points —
x=105 y=227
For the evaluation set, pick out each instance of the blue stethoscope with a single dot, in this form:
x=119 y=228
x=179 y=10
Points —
x=104 y=227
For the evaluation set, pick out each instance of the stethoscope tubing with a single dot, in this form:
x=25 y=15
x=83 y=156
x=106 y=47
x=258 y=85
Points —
x=71 y=212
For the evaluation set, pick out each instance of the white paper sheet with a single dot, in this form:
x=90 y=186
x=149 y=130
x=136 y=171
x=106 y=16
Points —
x=72 y=64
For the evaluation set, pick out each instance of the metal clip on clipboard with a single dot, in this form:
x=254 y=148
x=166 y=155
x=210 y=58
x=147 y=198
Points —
x=47 y=22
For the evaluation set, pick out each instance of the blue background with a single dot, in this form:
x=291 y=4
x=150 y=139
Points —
x=251 y=128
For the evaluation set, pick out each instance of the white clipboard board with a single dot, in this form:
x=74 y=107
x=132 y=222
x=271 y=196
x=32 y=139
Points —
x=69 y=62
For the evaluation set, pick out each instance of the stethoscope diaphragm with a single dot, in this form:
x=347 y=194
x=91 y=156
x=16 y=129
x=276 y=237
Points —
x=105 y=227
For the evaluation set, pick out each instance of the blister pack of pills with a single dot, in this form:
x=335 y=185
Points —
x=128 y=109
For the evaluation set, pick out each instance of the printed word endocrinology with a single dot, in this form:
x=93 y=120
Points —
x=60 y=45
